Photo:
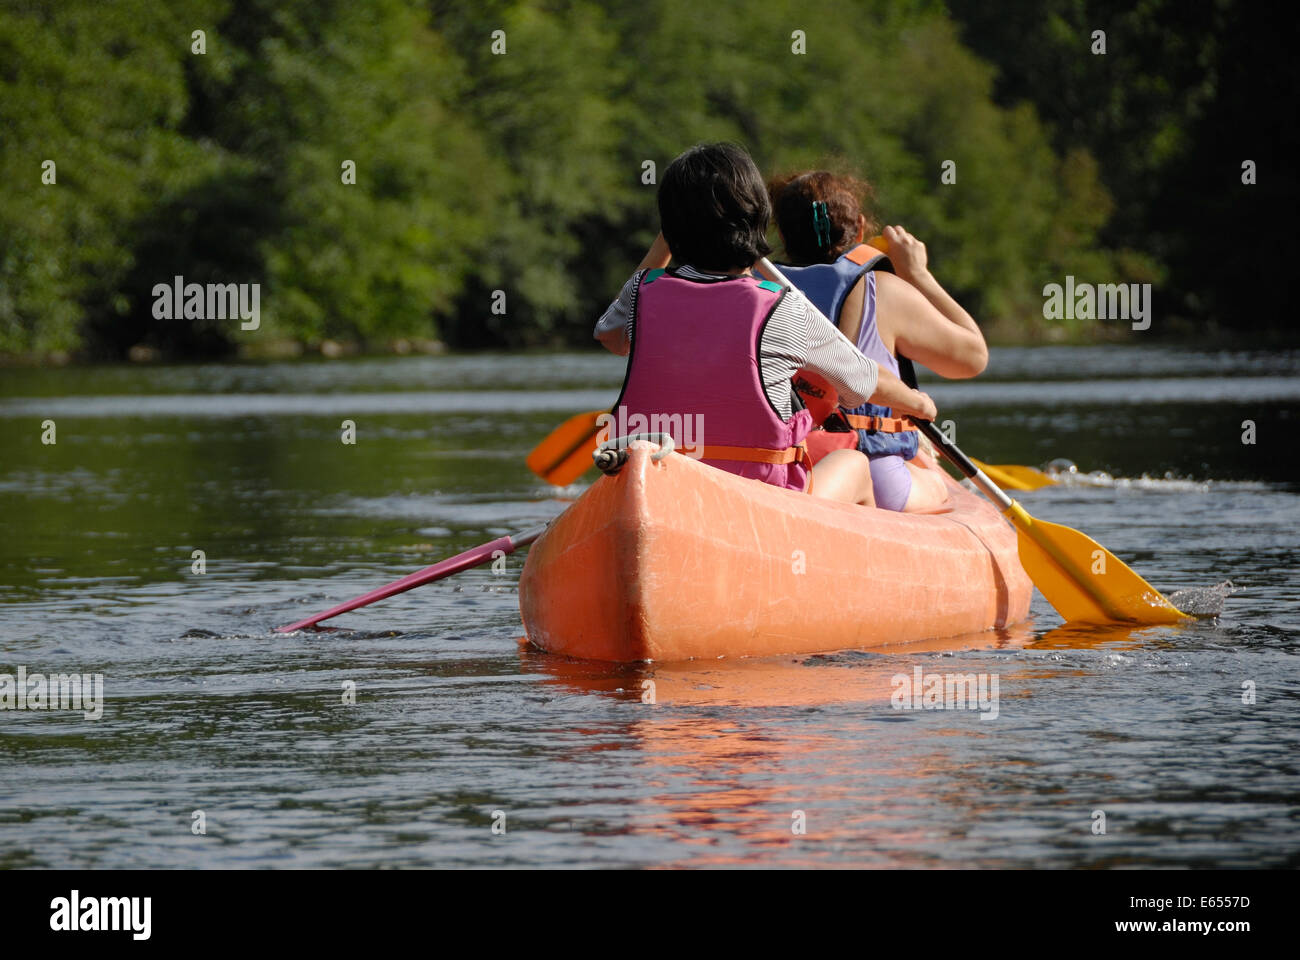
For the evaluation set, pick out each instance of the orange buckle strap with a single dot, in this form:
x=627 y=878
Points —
x=796 y=454
x=880 y=424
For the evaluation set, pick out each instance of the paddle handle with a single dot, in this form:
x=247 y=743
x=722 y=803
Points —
x=438 y=571
x=907 y=373
x=949 y=449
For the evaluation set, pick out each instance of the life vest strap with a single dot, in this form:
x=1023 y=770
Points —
x=796 y=454
x=879 y=424
x=865 y=255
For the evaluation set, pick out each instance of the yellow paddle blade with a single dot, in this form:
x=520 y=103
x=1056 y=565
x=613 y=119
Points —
x=1011 y=476
x=1031 y=477
x=1082 y=579
x=565 y=454
x=1001 y=477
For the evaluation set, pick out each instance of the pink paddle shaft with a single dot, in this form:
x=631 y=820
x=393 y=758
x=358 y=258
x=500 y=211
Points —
x=444 y=568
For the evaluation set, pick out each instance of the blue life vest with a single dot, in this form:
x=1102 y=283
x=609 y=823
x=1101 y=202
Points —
x=827 y=285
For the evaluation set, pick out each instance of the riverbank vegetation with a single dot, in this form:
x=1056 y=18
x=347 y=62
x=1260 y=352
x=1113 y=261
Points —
x=420 y=173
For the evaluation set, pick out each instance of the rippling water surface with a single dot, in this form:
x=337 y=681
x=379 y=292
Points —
x=458 y=724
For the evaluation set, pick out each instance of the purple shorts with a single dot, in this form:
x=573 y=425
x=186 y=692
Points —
x=892 y=482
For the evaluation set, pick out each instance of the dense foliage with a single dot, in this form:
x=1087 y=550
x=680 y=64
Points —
x=1188 y=92
x=516 y=161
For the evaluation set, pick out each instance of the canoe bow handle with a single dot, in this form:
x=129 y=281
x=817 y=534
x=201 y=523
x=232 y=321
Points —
x=612 y=454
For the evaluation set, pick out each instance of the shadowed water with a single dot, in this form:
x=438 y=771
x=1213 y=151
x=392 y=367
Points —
x=456 y=718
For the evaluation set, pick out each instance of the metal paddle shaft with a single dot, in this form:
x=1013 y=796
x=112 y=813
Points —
x=438 y=571
x=950 y=450
x=963 y=463
x=1079 y=577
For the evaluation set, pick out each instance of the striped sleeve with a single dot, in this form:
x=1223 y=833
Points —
x=831 y=354
x=794 y=339
x=614 y=328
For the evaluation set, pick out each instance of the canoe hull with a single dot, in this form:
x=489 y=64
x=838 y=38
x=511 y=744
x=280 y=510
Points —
x=677 y=560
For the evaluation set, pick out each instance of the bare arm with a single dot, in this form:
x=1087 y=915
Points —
x=921 y=320
x=612 y=327
x=658 y=256
x=902 y=399
x=854 y=377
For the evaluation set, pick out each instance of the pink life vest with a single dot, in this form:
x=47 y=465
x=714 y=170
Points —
x=695 y=355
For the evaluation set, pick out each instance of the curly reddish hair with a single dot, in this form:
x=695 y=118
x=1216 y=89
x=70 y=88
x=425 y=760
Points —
x=846 y=198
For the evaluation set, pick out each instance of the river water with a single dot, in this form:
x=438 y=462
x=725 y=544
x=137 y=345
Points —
x=223 y=744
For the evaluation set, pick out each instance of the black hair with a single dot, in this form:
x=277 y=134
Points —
x=714 y=208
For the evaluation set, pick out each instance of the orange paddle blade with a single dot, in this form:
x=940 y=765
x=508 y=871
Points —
x=565 y=454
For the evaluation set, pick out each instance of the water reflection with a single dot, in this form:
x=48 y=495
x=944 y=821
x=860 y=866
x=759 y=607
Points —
x=736 y=751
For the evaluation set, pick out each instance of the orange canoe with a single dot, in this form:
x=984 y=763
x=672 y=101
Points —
x=677 y=560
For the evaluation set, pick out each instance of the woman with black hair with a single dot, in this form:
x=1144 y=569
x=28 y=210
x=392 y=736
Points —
x=709 y=341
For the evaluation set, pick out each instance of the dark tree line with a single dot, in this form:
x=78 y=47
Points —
x=504 y=155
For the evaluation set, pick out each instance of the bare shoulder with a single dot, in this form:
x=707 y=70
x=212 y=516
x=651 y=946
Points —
x=851 y=312
x=895 y=288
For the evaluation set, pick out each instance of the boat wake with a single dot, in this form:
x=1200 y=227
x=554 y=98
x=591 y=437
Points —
x=1167 y=484
x=1067 y=474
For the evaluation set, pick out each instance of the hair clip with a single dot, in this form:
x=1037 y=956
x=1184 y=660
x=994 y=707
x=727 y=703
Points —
x=821 y=223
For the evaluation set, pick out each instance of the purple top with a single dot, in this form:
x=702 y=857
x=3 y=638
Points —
x=869 y=342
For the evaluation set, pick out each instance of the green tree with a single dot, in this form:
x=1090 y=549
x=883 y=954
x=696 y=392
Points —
x=97 y=89
x=888 y=91
x=542 y=90
x=1184 y=94
x=293 y=92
